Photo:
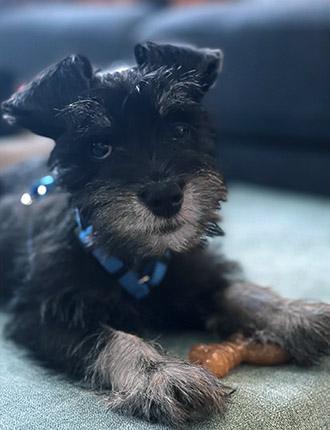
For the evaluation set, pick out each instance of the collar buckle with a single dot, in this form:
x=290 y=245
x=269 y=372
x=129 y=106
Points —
x=144 y=279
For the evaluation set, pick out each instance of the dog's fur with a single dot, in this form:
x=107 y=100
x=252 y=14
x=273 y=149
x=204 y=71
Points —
x=65 y=307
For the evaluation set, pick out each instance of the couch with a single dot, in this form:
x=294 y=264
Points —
x=272 y=102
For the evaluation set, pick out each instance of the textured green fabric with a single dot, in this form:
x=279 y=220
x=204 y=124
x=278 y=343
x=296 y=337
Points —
x=283 y=240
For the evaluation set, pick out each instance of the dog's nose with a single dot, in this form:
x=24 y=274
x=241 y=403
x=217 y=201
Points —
x=163 y=199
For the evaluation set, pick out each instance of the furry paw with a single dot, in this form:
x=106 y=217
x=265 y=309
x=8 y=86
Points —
x=303 y=330
x=173 y=392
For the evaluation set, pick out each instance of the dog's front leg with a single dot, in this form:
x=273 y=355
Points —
x=302 y=328
x=149 y=384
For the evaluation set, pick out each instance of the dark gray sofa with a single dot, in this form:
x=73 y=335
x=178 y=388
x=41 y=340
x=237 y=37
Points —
x=271 y=104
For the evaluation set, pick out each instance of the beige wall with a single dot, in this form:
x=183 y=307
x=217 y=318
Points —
x=14 y=149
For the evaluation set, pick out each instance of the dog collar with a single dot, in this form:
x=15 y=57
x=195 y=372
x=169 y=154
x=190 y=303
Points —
x=139 y=285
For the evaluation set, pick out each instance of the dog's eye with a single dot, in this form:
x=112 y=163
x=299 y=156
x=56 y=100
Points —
x=101 y=150
x=180 y=131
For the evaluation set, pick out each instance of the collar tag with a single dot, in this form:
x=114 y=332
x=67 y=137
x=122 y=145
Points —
x=145 y=278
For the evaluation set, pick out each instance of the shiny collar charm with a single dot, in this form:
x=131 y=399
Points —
x=38 y=190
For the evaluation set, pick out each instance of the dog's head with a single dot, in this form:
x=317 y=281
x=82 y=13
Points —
x=134 y=147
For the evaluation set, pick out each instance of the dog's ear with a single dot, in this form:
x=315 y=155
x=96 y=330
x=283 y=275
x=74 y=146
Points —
x=204 y=63
x=36 y=106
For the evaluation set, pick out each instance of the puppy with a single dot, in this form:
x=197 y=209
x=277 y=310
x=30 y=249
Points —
x=117 y=243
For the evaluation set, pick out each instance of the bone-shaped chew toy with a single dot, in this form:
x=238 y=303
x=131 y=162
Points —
x=220 y=358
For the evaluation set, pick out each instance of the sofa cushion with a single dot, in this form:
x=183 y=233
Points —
x=277 y=163
x=33 y=37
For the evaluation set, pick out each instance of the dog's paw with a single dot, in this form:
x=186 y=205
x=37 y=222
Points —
x=303 y=330
x=173 y=393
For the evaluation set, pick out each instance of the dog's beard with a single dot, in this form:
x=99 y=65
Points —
x=121 y=219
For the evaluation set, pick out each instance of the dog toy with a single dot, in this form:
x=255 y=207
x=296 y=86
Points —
x=220 y=358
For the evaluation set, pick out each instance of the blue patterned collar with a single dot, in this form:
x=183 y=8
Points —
x=138 y=284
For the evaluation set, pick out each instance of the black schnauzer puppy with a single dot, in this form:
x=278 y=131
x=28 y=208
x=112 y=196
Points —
x=119 y=245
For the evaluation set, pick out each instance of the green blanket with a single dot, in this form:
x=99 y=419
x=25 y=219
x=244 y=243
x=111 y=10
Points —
x=282 y=239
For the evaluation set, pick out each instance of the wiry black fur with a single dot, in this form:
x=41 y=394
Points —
x=66 y=309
